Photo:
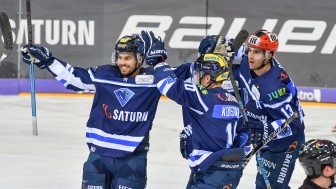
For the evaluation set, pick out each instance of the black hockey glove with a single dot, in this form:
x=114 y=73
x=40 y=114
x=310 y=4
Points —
x=256 y=131
x=38 y=55
x=208 y=44
x=144 y=42
x=154 y=47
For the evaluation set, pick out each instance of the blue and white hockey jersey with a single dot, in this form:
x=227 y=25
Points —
x=122 y=111
x=212 y=114
x=272 y=98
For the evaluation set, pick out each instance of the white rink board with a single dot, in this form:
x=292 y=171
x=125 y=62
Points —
x=54 y=158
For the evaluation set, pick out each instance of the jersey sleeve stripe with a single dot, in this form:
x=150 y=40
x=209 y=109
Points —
x=164 y=85
x=66 y=77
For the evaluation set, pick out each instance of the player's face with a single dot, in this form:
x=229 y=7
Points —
x=127 y=63
x=255 y=57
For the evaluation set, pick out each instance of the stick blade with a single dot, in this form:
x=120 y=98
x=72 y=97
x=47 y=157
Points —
x=6 y=31
x=240 y=39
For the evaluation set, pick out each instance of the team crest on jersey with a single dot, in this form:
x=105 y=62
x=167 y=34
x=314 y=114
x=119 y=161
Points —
x=203 y=89
x=285 y=132
x=123 y=95
x=144 y=79
x=255 y=92
x=283 y=76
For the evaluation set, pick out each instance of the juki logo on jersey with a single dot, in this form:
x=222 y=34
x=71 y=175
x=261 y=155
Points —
x=276 y=94
x=123 y=95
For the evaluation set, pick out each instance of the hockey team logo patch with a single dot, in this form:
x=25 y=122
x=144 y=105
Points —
x=123 y=95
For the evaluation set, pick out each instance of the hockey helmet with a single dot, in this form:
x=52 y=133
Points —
x=214 y=65
x=126 y=44
x=265 y=40
x=315 y=153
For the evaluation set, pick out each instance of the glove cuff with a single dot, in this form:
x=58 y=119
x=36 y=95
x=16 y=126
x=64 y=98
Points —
x=45 y=64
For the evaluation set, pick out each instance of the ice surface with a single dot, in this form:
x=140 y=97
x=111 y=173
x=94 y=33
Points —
x=54 y=158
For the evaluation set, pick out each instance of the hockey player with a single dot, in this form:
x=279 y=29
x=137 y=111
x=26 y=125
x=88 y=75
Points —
x=211 y=114
x=318 y=159
x=121 y=116
x=270 y=97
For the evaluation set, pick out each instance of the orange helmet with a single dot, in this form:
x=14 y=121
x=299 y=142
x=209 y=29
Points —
x=265 y=40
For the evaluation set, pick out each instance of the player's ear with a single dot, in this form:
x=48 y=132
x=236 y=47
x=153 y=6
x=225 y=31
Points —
x=140 y=59
x=328 y=171
x=207 y=79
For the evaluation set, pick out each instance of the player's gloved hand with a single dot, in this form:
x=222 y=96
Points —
x=156 y=53
x=257 y=131
x=152 y=48
x=242 y=140
x=38 y=55
x=225 y=48
x=208 y=44
x=144 y=42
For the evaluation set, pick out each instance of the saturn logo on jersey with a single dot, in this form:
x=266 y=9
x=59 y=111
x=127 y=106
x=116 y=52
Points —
x=123 y=95
x=125 y=115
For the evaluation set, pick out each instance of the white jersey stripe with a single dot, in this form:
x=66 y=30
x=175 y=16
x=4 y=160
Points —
x=248 y=88
x=110 y=145
x=65 y=76
x=118 y=83
x=113 y=141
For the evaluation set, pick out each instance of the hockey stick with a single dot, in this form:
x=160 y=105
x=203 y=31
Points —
x=269 y=138
x=6 y=31
x=32 y=77
x=237 y=43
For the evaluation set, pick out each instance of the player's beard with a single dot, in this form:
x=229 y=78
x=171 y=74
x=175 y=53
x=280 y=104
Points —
x=127 y=70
